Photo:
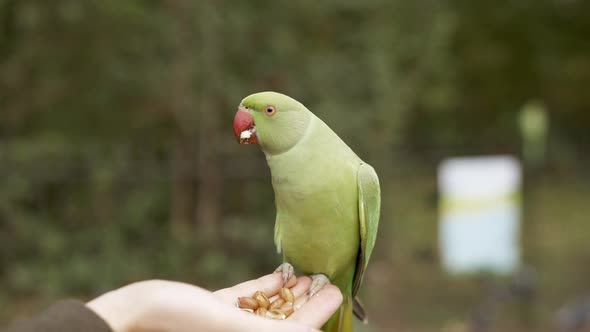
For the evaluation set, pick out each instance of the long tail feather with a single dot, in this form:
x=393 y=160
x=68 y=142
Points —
x=359 y=311
x=341 y=321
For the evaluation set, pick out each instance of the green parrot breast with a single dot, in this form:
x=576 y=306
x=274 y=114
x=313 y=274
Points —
x=316 y=196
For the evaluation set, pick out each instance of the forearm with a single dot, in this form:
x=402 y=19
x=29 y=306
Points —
x=64 y=316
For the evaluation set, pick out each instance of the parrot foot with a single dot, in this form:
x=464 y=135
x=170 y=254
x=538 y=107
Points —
x=318 y=281
x=287 y=271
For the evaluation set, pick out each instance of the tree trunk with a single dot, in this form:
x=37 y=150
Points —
x=196 y=73
x=210 y=185
x=183 y=188
x=182 y=108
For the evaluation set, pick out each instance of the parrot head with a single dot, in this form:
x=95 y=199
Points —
x=274 y=121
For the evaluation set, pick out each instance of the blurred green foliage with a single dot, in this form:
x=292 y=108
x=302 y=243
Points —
x=117 y=161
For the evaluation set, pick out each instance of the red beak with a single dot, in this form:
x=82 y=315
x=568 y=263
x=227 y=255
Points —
x=244 y=129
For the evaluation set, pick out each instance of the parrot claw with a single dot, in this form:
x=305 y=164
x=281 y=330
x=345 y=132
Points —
x=318 y=281
x=287 y=271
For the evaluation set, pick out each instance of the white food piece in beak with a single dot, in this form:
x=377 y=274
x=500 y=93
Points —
x=246 y=134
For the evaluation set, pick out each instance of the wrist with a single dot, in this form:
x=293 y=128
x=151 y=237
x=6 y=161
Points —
x=119 y=308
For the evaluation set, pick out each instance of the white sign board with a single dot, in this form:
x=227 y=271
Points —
x=479 y=214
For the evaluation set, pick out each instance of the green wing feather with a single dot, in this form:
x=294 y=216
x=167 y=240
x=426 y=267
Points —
x=369 y=206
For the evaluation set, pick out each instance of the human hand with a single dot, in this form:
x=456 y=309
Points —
x=158 y=305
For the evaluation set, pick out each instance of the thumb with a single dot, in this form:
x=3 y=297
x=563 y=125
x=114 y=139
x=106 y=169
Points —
x=285 y=326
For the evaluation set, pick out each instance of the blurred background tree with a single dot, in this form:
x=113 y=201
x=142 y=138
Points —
x=118 y=163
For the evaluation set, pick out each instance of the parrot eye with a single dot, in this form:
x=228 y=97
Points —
x=270 y=110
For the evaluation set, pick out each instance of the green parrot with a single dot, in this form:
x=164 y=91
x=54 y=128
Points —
x=327 y=199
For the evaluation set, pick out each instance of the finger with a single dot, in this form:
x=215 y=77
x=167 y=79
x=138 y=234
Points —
x=299 y=289
x=319 y=308
x=217 y=316
x=284 y=326
x=249 y=322
x=268 y=284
